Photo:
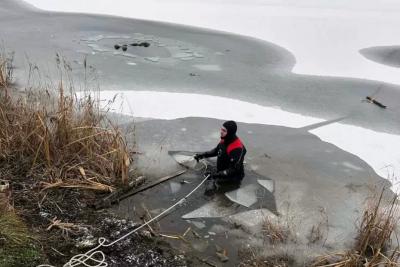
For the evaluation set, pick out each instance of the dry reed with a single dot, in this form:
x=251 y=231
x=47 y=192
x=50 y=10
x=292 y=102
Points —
x=62 y=142
x=373 y=241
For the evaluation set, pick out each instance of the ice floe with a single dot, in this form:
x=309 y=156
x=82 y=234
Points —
x=245 y=195
x=212 y=209
x=267 y=184
x=208 y=67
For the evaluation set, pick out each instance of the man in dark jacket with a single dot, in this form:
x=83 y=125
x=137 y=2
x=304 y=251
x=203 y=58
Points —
x=230 y=154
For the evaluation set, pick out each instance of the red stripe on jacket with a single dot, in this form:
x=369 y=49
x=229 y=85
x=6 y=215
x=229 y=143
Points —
x=235 y=144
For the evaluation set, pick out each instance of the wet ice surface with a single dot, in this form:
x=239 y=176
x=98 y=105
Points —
x=231 y=222
x=160 y=49
x=209 y=219
x=387 y=55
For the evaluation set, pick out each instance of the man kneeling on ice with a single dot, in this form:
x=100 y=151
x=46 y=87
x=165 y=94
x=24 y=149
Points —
x=230 y=154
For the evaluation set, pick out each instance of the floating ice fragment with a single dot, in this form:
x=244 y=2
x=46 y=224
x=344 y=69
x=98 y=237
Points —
x=93 y=38
x=267 y=184
x=252 y=218
x=210 y=210
x=101 y=37
x=175 y=187
x=208 y=67
x=116 y=37
x=152 y=59
x=199 y=225
x=183 y=55
x=124 y=54
x=198 y=55
x=99 y=48
x=185 y=160
x=186 y=58
x=245 y=196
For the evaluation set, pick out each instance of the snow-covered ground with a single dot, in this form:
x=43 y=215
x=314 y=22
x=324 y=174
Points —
x=324 y=36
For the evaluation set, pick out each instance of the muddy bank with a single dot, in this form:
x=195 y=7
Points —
x=64 y=224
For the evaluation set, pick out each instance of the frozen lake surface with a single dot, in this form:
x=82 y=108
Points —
x=324 y=36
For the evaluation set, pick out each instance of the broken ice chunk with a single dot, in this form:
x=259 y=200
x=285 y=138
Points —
x=245 y=196
x=187 y=161
x=210 y=210
x=99 y=48
x=152 y=59
x=198 y=55
x=119 y=53
x=175 y=187
x=268 y=184
x=199 y=225
x=252 y=218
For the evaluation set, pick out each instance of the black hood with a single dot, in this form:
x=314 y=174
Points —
x=231 y=128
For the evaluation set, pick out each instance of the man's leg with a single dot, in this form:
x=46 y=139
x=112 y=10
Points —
x=226 y=184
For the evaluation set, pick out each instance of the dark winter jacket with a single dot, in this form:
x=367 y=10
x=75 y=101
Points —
x=230 y=158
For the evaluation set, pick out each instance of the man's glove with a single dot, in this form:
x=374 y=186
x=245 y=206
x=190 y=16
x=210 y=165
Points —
x=198 y=157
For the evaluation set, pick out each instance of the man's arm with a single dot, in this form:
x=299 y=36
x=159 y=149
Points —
x=207 y=154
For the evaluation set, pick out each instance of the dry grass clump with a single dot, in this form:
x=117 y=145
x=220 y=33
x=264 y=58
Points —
x=6 y=69
x=275 y=232
x=62 y=143
x=373 y=241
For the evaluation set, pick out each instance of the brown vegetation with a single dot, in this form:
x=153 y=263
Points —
x=6 y=69
x=373 y=242
x=69 y=144
x=275 y=232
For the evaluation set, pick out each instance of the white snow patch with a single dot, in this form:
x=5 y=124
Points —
x=169 y=106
